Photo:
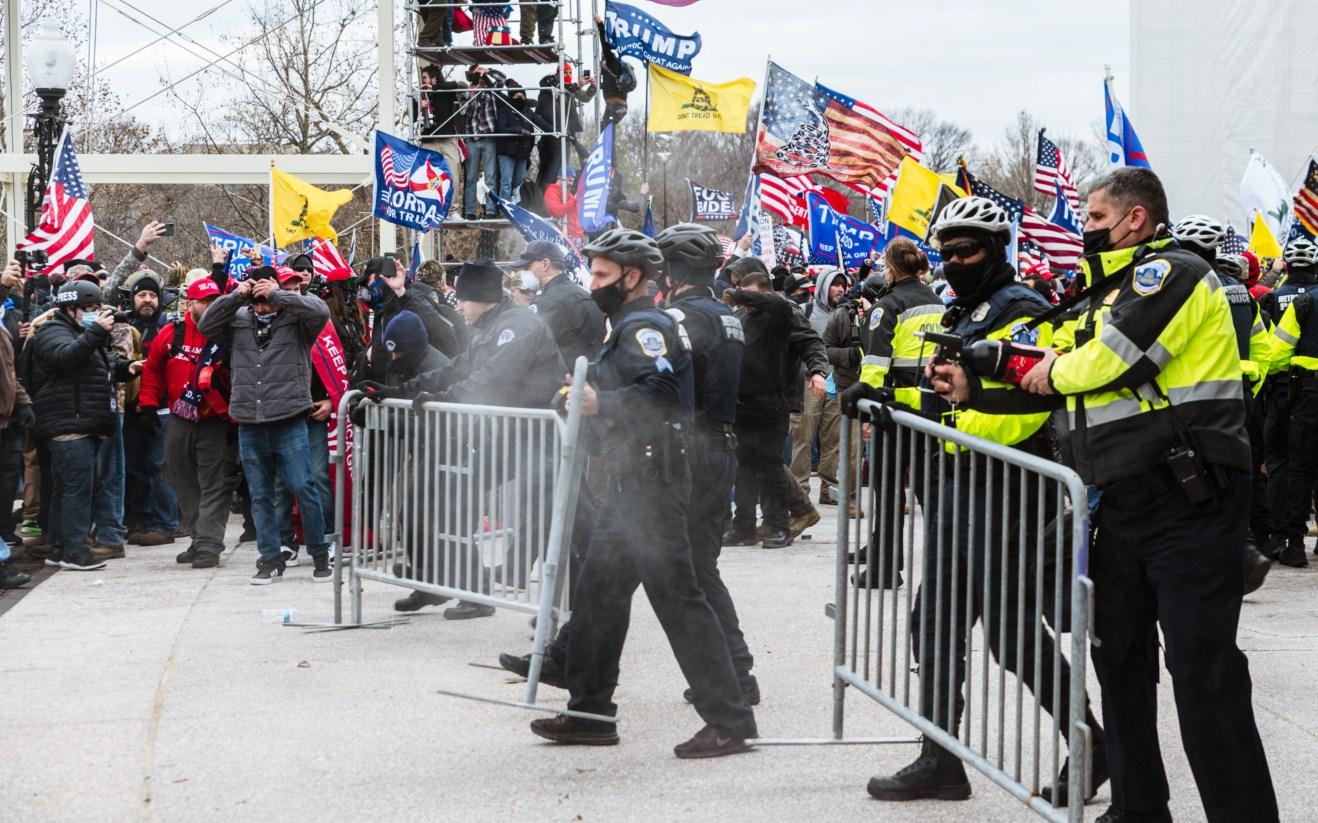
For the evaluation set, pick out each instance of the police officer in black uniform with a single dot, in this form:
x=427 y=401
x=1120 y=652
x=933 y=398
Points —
x=692 y=254
x=575 y=320
x=641 y=399
x=1283 y=389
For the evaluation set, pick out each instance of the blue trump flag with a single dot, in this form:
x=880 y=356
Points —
x=750 y=208
x=634 y=33
x=534 y=227
x=413 y=186
x=648 y=227
x=593 y=190
x=828 y=230
x=1124 y=148
x=234 y=244
x=416 y=259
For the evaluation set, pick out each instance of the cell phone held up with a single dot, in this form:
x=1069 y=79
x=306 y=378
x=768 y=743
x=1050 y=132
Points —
x=167 y=230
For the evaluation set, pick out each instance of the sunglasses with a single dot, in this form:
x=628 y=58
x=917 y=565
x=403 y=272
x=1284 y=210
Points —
x=961 y=251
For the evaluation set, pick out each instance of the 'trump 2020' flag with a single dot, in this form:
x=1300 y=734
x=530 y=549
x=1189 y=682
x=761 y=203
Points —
x=533 y=227
x=67 y=230
x=237 y=245
x=1123 y=145
x=413 y=186
x=828 y=229
x=593 y=197
x=711 y=204
x=634 y=33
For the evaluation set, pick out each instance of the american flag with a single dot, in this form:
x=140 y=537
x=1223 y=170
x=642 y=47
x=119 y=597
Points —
x=485 y=20
x=67 y=230
x=785 y=196
x=728 y=245
x=788 y=243
x=806 y=128
x=1233 y=244
x=1061 y=246
x=1306 y=200
x=328 y=261
x=396 y=174
x=1051 y=171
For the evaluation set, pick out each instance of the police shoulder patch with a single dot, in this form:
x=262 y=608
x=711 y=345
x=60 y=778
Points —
x=981 y=311
x=534 y=309
x=676 y=314
x=1020 y=334
x=652 y=342
x=1148 y=278
x=505 y=336
x=876 y=317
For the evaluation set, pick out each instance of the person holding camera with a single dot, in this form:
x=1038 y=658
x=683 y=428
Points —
x=385 y=291
x=270 y=333
x=484 y=99
x=76 y=411
x=440 y=120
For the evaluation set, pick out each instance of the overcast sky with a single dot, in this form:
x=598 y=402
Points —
x=976 y=63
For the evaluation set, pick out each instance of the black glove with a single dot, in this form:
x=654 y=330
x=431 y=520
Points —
x=358 y=414
x=858 y=391
x=24 y=417
x=379 y=391
x=148 y=416
x=423 y=398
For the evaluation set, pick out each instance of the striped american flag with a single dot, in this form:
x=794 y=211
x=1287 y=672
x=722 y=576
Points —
x=328 y=261
x=728 y=244
x=1306 y=200
x=485 y=21
x=1061 y=246
x=785 y=196
x=67 y=230
x=1050 y=171
x=392 y=175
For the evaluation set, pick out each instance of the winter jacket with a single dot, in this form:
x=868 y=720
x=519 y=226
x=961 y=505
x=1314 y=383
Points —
x=573 y=318
x=444 y=327
x=77 y=370
x=12 y=394
x=775 y=342
x=522 y=120
x=558 y=204
x=549 y=112
x=819 y=308
x=170 y=368
x=434 y=114
x=511 y=360
x=273 y=383
x=842 y=342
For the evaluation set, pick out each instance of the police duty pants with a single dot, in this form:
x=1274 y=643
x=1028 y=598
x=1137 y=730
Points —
x=713 y=469
x=1302 y=443
x=965 y=555
x=640 y=538
x=894 y=461
x=760 y=476
x=1162 y=562
x=1276 y=427
x=1260 y=513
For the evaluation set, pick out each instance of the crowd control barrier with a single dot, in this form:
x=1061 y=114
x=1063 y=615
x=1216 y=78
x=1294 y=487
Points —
x=954 y=594
x=469 y=502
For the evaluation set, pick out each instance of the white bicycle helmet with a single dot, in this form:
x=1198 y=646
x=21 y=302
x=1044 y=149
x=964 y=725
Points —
x=1301 y=252
x=972 y=213
x=1201 y=230
x=1234 y=265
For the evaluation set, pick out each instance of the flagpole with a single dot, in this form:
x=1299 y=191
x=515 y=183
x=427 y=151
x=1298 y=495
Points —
x=274 y=243
x=645 y=130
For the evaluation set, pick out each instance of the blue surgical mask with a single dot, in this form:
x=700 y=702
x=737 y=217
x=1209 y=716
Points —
x=89 y=319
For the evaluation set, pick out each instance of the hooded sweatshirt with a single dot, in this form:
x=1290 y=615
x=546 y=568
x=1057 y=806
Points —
x=820 y=310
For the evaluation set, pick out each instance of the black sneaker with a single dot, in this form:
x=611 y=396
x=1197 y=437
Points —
x=466 y=610
x=1115 y=815
x=1293 y=554
x=738 y=537
x=205 y=560
x=1099 y=776
x=289 y=554
x=711 y=741
x=83 y=561
x=11 y=578
x=551 y=672
x=248 y=535
x=418 y=600
x=186 y=556
x=267 y=573
x=322 y=572
x=575 y=732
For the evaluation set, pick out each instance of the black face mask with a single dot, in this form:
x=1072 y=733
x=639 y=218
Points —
x=611 y=297
x=801 y=299
x=1098 y=241
x=967 y=278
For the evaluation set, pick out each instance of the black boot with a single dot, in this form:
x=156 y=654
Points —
x=1256 y=568
x=734 y=536
x=1115 y=815
x=777 y=539
x=418 y=600
x=1099 y=776
x=551 y=671
x=11 y=578
x=1293 y=554
x=936 y=774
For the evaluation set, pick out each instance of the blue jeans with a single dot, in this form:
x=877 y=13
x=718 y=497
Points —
x=511 y=171
x=108 y=503
x=482 y=158
x=149 y=501
x=280 y=449
x=73 y=464
x=318 y=450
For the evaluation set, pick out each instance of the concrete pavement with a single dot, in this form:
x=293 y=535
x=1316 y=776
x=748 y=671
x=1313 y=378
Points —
x=153 y=692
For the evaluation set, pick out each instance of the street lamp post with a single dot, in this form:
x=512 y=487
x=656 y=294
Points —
x=49 y=62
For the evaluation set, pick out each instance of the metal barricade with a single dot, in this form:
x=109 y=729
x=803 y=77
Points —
x=462 y=501
x=992 y=543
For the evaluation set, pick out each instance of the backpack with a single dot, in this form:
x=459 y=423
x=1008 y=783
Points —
x=626 y=79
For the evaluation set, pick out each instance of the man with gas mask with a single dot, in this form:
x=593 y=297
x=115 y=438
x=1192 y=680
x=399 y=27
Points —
x=974 y=234
x=692 y=254
x=385 y=291
x=1151 y=384
x=641 y=399
x=188 y=377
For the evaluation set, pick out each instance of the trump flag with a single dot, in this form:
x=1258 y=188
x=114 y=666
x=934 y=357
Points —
x=413 y=186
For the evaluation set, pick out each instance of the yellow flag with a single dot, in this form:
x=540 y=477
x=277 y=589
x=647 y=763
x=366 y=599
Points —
x=914 y=197
x=1261 y=241
x=679 y=103
x=301 y=210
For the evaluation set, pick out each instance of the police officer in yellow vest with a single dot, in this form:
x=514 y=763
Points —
x=1153 y=398
x=974 y=234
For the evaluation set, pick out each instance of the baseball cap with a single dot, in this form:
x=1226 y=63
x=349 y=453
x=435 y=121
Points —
x=540 y=250
x=285 y=274
x=203 y=289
